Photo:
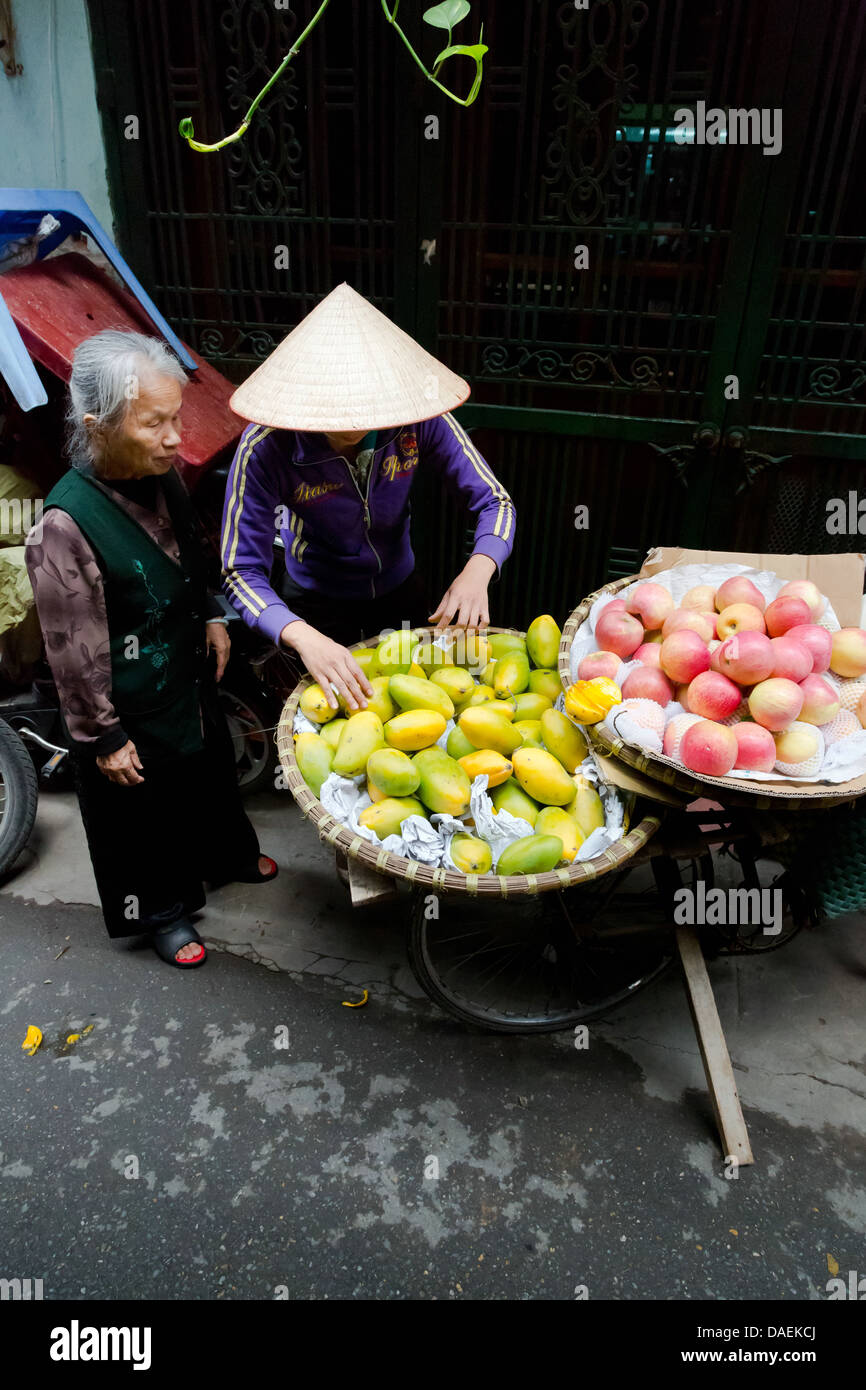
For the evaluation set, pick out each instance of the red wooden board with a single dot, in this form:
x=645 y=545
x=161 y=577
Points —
x=59 y=301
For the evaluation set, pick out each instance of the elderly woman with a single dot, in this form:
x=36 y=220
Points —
x=347 y=410
x=136 y=645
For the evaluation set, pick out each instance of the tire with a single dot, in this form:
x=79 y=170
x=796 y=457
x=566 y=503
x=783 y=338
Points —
x=251 y=718
x=582 y=944
x=19 y=794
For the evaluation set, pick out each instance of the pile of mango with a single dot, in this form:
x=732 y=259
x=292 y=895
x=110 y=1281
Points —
x=505 y=726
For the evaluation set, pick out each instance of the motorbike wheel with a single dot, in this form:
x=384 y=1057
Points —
x=19 y=794
x=251 y=719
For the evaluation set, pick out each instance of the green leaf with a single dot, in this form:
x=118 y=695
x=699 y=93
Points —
x=446 y=15
x=186 y=128
x=474 y=50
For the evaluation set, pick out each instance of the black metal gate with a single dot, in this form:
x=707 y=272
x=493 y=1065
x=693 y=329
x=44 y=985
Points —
x=693 y=376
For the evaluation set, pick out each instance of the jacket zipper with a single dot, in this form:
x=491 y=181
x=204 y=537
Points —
x=364 y=499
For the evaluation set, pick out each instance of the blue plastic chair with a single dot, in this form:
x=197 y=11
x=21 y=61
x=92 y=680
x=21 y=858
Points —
x=21 y=211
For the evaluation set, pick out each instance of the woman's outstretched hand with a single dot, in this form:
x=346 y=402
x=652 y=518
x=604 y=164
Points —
x=466 y=596
x=329 y=664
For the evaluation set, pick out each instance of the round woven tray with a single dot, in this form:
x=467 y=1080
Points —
x=442 y=880
x=660 y=770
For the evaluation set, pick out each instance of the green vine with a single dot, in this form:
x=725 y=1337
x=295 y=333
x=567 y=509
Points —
x=443 y=16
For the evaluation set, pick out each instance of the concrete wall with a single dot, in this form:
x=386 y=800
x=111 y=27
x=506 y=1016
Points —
x=50 y=133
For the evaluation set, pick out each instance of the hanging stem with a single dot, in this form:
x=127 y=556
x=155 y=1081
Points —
x=391 y=17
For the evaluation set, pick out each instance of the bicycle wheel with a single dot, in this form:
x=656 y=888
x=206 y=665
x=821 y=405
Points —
x=545 y=963
x=19 y=794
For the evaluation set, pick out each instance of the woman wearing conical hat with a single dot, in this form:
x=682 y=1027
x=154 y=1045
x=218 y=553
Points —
x=344 y=412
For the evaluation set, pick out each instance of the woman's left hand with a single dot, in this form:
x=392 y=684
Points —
x=219 y=641
x=467 y=596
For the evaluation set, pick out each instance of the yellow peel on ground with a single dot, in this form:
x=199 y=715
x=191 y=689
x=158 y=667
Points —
x=360 y=1004
x=32 y=1040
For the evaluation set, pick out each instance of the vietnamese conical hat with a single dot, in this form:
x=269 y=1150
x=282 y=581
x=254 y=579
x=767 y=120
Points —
x=347 y=367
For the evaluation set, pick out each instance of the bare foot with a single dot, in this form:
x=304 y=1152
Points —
x=192 y=951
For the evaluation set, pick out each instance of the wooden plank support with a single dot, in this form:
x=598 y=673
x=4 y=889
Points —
x=367 y=887
x=714 y=1050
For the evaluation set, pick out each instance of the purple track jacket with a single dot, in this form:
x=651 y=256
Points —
x=337 y=541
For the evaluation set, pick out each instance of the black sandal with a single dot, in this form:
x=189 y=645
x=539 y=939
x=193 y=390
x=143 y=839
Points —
x=167 y=941
x=255 y=875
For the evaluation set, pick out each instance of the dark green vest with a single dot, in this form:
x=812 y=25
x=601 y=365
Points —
x=155 y=610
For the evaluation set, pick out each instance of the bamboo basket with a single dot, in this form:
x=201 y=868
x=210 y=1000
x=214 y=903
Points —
x=397 y=866
x=800 y=797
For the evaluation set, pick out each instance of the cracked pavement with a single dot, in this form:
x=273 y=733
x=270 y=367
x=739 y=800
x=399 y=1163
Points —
x=235 y=1132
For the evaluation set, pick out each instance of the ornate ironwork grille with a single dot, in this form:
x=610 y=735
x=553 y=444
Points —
x=600 y=376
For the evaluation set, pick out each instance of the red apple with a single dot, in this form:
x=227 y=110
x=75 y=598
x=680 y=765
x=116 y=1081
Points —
x=775 y=703
x=709 y=749
x=791 y=659
x=681 y=695
x=599 y=664
x=817 y=639
x=808 y=592
x=739 y=590
x=820 y=701
x=739 y=617
x=713 y=696
x=646 y=683
x=746 y=658
x=784 y=613
x=684 y=655
x=701 y=598
x=649 y=653
x=674 y=733
x=651 y=603
x=712 y=619
x=756 y=747
x=618 y=632
x=679 y=621
x=848 y=656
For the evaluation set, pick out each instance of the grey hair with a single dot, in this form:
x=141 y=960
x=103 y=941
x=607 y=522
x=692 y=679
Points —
x=105 y=369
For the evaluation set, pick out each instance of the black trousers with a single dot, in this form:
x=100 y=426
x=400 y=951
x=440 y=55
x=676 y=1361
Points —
x=152 y=845
x=350 y=620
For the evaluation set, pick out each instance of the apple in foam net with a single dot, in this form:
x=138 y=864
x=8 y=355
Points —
x=739 y=617
x=674 y=731
x=784 y=613
x=775 y=703
x=599 y=664
x=808 y=592
x=756 y=747
x=819 y=642
x=820 y=701
x=746 y=658
x=701 y=598
x=689 y=621
x=649 y=654
x=848 y=654
x=709 y=749
x=791 y=659
x=651 y=603
x=647 y=683
x=713 y=696
x=799 y=750
x=618 y=632
x=739 y=589
x=684 y=655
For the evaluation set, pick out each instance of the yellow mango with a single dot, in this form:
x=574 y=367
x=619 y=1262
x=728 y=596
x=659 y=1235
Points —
x=487 y=728
x=542 y=641
x=589 y=701
x=535 y=854
x=380 y=701
x=444 y=786
x=368 y=660
x=528 y=705
x=410 y=693
x=563 y=739
x=530 y=732
x=314 y=759
x=471 y=855
x=458 y=744
x=542 y=776
x=510 y=797
x=585 y=808
x=415 y=729
x=374 y=793
x=485 y=763
x=417 y=671
x=331 y=732
x=457 y=683
x=314 y=704
x=362 y=735
x=487 y=674
x=506 y=707
x=553 y=820
x=392 y=772
x=471 y=650
x=480 y=695
x=503 y=642
x=545 y=682
x=394 y=653
x=431 y=657
x=384 y=818
x=511 y=675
